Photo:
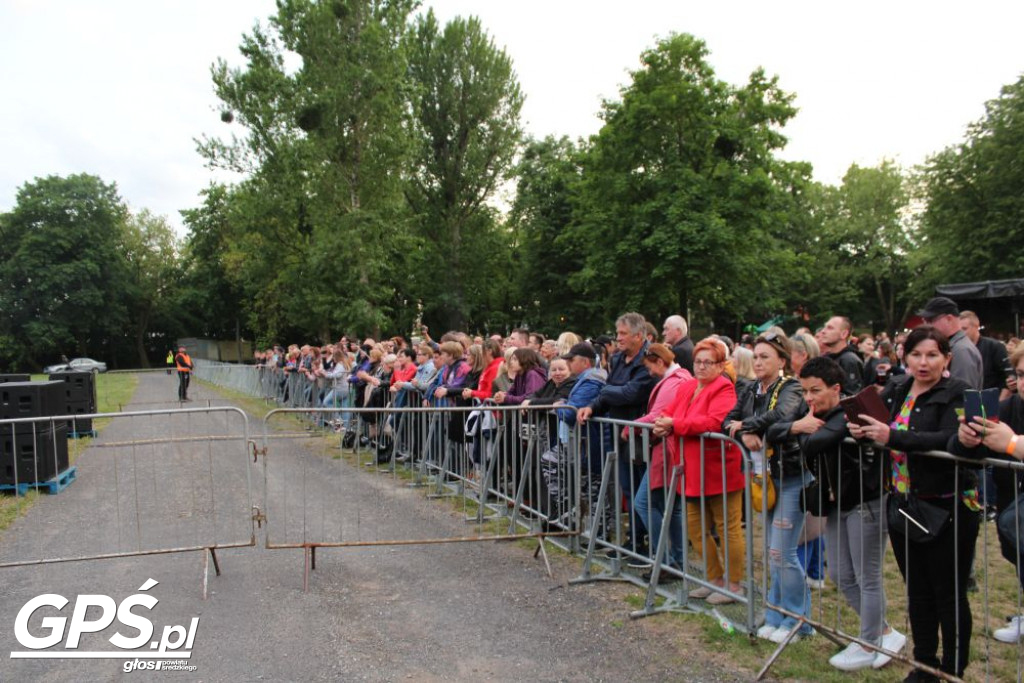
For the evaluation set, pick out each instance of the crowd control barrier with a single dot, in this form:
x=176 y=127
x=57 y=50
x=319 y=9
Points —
x=510 y=474
x=159 y=481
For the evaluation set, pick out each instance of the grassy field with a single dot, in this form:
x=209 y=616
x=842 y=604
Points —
x=113 y=390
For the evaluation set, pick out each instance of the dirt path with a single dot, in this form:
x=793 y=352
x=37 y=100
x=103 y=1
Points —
x=480 y=611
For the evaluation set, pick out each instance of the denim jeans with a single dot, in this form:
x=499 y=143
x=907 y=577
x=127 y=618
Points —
x=649 y=506
x=1010 y=527
x=788 y=588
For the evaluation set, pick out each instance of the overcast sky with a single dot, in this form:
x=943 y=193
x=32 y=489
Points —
x=120 y=88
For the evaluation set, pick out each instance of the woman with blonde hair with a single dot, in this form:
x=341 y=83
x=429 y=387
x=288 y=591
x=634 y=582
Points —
x=566 y=341
x=805 y=347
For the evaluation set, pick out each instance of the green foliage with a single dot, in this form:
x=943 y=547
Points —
x=681 y=188
x=310 y=238
x=63 y=272
x=871 y=232
x=975 y=208
x=466 y=102
x=548 y=176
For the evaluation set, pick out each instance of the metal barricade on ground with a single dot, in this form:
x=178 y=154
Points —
x=499 y=466
x=153 y=482
x=695 y=553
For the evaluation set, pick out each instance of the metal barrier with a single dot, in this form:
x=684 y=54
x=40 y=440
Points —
x=499 y=465
x=159 y=481
x=512 y=480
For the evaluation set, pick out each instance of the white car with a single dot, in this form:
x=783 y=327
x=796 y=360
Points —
x=77 y=365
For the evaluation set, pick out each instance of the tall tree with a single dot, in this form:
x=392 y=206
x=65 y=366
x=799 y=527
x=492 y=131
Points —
x=548 y=176
x=150 y=249
x=466 y=102
x=62 y=270
x=975 y=207
x=872 y=230
x=680 y=201
x=325 y=151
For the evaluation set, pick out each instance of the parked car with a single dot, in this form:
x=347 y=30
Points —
x=77 y=365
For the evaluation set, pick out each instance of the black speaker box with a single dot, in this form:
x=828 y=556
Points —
x=14 y=378
x=78 y=408
x=33 y=456
x=78 y=386
x=30 y=399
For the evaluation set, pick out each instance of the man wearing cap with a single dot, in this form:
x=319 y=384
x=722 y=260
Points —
x=943 y=314
x=183 y=363
x=834 y=339
x=624 y=397
x=676 y=335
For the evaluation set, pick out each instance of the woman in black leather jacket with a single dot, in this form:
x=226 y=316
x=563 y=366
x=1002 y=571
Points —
x=776 y=397
x=922 y=406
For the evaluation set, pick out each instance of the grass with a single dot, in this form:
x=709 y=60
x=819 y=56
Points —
x=112 y=392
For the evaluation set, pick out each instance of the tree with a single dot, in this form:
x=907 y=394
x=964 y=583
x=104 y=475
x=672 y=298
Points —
x=62 y=270
x=548 y=176
x=975 y=208
x=150 y=249
x=466 y=103
x=871 y=229
x=325 y=150
x=681 y=204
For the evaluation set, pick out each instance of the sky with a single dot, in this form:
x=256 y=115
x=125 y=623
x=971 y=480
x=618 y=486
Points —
x=122 y=88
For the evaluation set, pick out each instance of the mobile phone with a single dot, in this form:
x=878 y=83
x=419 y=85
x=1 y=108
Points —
x=984 y=403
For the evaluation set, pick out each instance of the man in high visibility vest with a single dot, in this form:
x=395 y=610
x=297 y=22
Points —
x=170 y=361
x=183 y=363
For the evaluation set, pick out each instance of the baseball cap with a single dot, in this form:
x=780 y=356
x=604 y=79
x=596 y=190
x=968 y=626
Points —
x=937 y=306
x=582 y=349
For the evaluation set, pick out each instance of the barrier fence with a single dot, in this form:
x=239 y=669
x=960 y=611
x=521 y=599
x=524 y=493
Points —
x=149 y=494
x=536 y=471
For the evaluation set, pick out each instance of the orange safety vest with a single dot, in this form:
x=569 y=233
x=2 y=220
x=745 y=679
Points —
x=183 y=362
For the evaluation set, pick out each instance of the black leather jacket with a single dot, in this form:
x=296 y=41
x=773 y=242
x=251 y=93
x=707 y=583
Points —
x=752 y=410
x=852 y=473
x=933 y=426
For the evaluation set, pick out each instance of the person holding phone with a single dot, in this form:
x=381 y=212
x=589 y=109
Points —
x=923 y=408
x=1001 y=439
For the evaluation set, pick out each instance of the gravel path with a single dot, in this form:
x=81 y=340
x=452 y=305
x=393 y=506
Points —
x=470 y=611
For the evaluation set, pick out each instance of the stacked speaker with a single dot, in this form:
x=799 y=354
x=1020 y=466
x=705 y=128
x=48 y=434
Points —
x=32 y=451
x=77 y=397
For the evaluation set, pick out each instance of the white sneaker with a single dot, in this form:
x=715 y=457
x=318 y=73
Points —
x=765 y=632
x=893 y=641
x=1010 y=633
x=782 y=633
x=815 y=584
x=853 y=658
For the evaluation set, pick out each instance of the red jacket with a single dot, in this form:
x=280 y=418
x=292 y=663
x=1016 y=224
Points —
x=405 y=375
x=485 y=387
x=704 y=414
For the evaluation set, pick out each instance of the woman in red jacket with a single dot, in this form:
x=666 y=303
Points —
x=713 y=479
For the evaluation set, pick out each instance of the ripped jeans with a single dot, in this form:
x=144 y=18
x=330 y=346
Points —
x=788 y=588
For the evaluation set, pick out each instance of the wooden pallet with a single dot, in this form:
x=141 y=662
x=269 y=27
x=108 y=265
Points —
x=51 y=486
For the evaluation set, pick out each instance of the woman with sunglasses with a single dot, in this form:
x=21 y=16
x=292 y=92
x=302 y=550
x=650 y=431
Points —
x=776 y=397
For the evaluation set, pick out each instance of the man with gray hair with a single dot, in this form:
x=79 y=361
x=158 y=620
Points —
x=675 y=333
x=624 y=397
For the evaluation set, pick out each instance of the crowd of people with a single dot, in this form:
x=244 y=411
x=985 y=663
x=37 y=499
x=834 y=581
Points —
x=833 y=487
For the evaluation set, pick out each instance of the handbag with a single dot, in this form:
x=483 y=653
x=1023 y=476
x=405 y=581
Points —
x=762 y=493
x=762 y=489
x=918 y=520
